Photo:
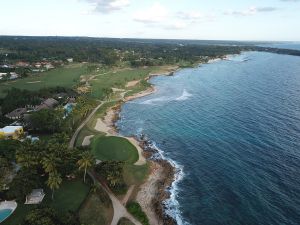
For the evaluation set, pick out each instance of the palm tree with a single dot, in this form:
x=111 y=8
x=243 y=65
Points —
x=53 y=182
x=50 y=164
x=86 y=161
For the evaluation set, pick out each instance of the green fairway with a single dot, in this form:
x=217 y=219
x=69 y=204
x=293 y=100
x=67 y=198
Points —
x=69 y=196
x=65 y=77
x=118 y=79
x=114 y=148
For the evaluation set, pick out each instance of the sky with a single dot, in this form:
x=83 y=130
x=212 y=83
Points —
x=256 y=20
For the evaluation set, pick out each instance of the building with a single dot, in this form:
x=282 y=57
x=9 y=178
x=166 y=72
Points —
x=16 y=114
x=70 y=60
x=11 y=132
x=13 y=76
x=35 y=197
x=49 y=103
x=22 y=64
x=2 y=75
x=49 y=66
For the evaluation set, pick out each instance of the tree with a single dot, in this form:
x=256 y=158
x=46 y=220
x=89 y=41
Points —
x=54 y=181
x=23 y=183
x=86 y=161
x=5 y=168
x=48 y=120
x=50 y=163
x=28 y=155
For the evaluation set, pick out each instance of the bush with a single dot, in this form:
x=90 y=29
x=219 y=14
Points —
x=136 y=210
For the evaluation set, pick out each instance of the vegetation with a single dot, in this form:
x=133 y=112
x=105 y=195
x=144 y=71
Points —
x=66 y=77
x=125 y=221
x=85 y=162
x=97 y=208
x=68 y=199
x=47 y=120
x=112 y=172
x=114 y=148
x=136 y=210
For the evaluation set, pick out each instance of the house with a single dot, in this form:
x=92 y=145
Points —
x=11 y=132
x=13 y=76
x=38 y=65
x=22 y=64
x=70 y=60
x=49 y=103
x=16 y=114
x=35 y=197
x=49 y=66
x=2 y=75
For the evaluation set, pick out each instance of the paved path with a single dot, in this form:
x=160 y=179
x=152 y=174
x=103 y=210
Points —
x=73 y=139
x=119 y=210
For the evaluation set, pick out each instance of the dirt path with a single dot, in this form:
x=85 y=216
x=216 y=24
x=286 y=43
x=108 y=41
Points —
x=119 y=210
x=128 y=194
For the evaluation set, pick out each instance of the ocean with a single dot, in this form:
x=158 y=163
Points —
x=232 y=128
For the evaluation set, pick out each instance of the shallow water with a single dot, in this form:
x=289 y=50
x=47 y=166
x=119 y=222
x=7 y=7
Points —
x=4 y=213
x=234 y=128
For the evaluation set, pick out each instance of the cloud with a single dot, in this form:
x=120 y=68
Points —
x=154 y=14
x=250 y=11
x=290 y=0
x=108 y=6
x=194 y=16
x=176 y=26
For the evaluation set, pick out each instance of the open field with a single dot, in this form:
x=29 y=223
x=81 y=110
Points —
x=96 y=209
x=114 y=149
x=69 y=197
x=66 y=76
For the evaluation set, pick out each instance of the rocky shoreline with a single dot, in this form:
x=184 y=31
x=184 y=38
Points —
x=162 y=173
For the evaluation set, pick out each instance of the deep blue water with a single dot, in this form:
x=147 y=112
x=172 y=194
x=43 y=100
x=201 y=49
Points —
x=233 y=126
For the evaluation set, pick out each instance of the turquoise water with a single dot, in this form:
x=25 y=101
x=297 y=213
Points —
x=4 y=213
x=233 y=129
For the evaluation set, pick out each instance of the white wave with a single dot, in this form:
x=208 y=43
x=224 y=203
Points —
x=154 y=100
x=171 y=204
x=185 y=95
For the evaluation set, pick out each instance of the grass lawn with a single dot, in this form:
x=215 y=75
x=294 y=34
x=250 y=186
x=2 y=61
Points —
x=114 y=149
x=97 y=209
x=125 y=221
x=69 y=197
x=66 y=76
x=134 y=175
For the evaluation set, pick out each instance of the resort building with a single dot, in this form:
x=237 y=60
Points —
x=49 y=103
x=16 y=114
x=11 y=132
x=35 y=197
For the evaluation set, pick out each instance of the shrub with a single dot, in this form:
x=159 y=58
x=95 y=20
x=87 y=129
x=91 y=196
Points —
x=136 y=210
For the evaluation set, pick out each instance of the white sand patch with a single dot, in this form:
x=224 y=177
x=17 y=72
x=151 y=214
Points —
x=87 y=140
x=132 y=83
x=102 y=127
x=142 y=160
